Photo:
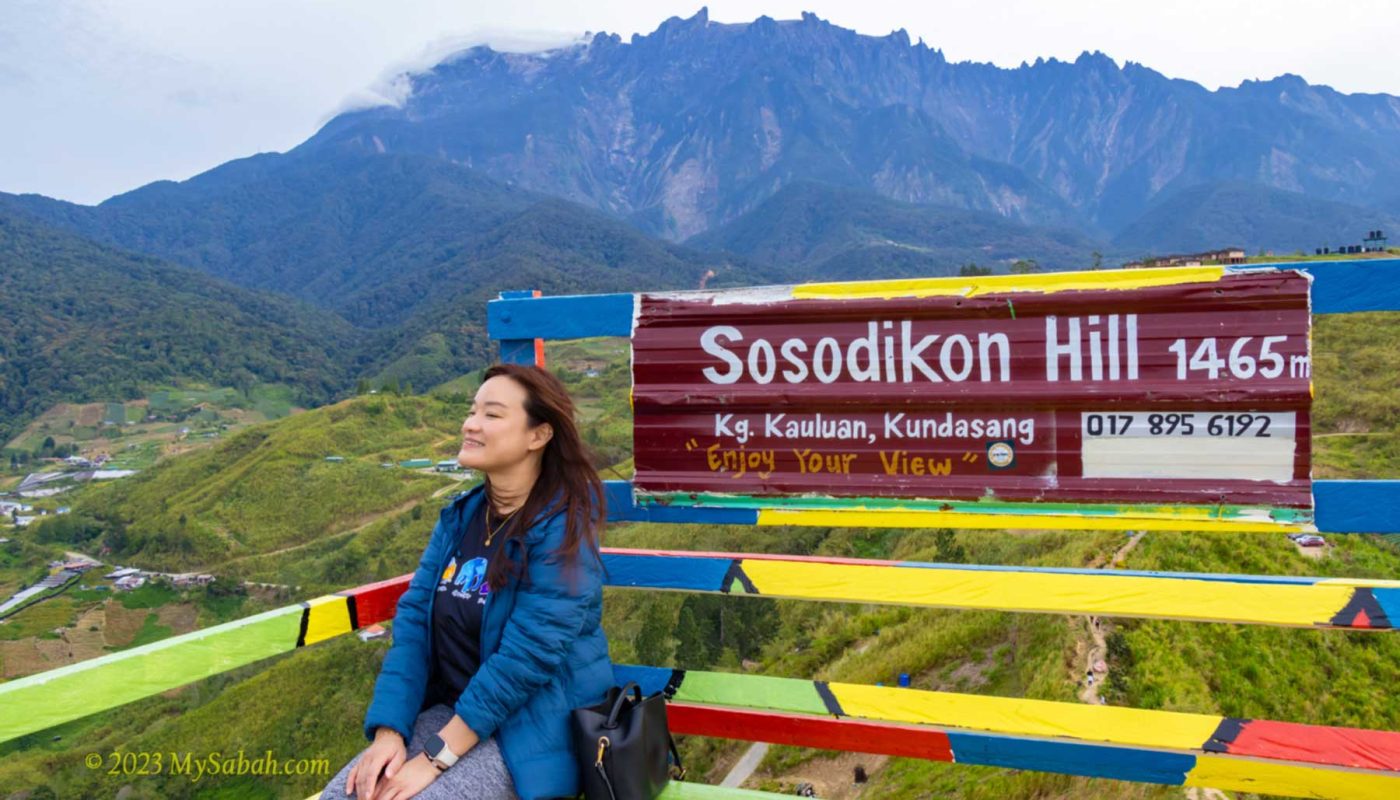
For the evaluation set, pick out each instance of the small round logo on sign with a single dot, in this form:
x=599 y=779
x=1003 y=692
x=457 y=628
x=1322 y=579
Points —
x=1000 y=455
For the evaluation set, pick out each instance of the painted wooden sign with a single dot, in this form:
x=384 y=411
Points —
x=1192 y=393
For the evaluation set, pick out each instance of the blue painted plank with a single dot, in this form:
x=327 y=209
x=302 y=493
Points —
x=1346 y=287
x=671 y=572
x=622 y=508
x=1097 y=761
x=1389 y=601
x=651 y=679
x=566 y=317
x=1357 y=506
x=518 y=351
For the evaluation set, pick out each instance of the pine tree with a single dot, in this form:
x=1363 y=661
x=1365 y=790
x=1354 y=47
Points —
x=692 y=651
x=653 y=642
x=950 y=551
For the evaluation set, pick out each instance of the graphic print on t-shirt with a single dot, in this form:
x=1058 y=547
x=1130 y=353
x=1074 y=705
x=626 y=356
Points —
x=467 y=581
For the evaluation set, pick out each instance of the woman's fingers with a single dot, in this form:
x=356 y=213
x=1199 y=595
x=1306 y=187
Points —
x=394 y=763
x=350 y=779
x=372 y=763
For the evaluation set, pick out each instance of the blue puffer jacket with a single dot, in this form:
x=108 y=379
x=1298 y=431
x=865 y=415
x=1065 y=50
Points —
x=543 y=653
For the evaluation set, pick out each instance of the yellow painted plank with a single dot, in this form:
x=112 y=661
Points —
x=1108 y=594
x=1127 y=726
x=871 y=518
x=1290 y=780
x=330 y=617
x=994 y=284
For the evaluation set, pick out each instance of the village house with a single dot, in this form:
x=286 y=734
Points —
x=1225 y=255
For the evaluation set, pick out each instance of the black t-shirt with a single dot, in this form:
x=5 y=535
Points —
x=461 y=598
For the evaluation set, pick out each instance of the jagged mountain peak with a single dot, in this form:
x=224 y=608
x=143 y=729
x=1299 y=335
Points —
x=694 y=124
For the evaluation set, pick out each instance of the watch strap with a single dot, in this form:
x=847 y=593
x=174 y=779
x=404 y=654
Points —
x=439 y=753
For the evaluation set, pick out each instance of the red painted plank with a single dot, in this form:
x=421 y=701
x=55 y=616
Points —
x=377 y=602
x=826 y=733
x=1316 y=744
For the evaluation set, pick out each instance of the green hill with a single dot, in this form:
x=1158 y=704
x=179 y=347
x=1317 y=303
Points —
x=84 y=322
x=270 y=487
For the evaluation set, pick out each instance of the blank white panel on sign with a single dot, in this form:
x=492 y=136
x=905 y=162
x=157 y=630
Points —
x=1236 y=445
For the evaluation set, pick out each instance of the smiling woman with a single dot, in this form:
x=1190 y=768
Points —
x=499 y=635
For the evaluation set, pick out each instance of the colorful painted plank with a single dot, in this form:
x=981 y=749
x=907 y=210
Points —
x=1098 y=741
x=1339 y=287
x=1370 y=605
x=1256 y=755
x=1341 y=507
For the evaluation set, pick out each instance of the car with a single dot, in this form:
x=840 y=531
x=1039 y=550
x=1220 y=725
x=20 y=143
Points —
x=1311 y=540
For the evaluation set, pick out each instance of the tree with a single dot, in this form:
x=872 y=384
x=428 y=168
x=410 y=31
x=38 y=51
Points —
x=971 y=270
x=950 y=551
x=692 y=647
x=1024 y=266
x=653 y=642
x=1098 y=260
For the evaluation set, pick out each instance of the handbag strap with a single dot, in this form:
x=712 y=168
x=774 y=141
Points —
x=677 y=771
x=621 y=700
x=603 y=774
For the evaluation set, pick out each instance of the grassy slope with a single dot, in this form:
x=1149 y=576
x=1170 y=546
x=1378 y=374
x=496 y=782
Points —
x=270 y=486
x=311 y=702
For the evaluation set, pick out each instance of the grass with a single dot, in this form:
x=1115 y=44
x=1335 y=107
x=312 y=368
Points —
x=151 y=631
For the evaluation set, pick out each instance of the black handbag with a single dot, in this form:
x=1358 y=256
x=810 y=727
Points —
x=622 y=745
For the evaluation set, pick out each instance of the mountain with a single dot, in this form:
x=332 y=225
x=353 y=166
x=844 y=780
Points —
x=693 y=125
x=81 y=321
x=355 y=234
x=1251 y=216
x=822 y=232
x=407 y=248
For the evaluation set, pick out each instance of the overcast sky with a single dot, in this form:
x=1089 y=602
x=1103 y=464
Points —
x=102 y=96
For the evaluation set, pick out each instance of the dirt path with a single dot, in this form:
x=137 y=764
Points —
x=1095 y=650
x=833 y=777
x=365 y=523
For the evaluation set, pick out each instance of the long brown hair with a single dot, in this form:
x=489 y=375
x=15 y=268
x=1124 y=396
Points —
x=567 y=482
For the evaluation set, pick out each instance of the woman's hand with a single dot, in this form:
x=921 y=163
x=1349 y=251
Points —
x=385 y=755
x=415 y=776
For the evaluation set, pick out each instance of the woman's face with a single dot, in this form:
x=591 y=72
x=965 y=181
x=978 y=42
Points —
x=496 y=435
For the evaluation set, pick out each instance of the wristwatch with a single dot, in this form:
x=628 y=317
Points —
x=438 y=753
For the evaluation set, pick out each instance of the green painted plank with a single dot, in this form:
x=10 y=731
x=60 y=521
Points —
x=683 y=790
x=751 y=691
x=40 y=701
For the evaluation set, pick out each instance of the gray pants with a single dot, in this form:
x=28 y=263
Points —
x=481 y=774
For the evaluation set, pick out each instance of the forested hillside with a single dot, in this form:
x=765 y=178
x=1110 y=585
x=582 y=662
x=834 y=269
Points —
x=81 y=322
x=1251 y=216
x=404 y=249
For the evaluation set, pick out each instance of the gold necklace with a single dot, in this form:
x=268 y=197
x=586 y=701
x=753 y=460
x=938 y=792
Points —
x=490 y=534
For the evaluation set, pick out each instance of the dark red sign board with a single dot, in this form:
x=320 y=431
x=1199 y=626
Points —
x=1187 y=393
